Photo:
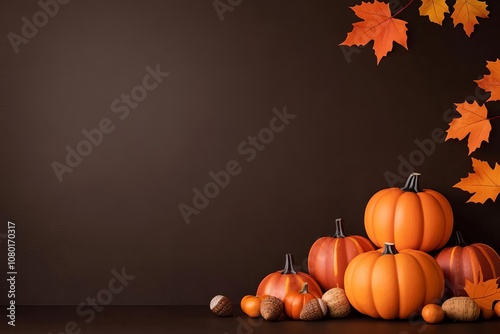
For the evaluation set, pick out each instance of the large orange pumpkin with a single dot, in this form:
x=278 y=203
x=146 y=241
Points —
x=329 y=256
x=279 y=283
x=392 y=284
x=294 y=301
x=464 y=262
x=409 y=217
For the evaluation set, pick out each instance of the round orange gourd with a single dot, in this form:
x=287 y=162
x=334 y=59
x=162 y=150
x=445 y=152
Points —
x=487 y=314
x=295 y=301
x=329 y=256
x=464 y=262
x=497 y=308
x=392 y=284
x=251 y=305
x=409 y=217
x=279 y=283
x=432 y=313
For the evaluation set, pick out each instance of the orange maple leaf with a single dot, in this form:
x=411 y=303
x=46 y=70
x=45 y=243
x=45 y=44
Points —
x=467 y=12
x=474 y=122
x=484 y=293
x=491 y=82
x=435 y=9
x=484 y=182
x=379 y=26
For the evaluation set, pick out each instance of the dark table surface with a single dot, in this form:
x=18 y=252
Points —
x=199 y=319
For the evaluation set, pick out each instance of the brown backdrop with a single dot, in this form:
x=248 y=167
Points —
x=119 y=207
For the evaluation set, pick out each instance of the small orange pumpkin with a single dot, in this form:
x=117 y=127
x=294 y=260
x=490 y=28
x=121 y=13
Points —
x=279 y=283
x=497 y=308
x=329 y=256
x=463 y=262
x=409 y=217
x=295 y=301
x=251 y=305
x=432 y=313
x=487 y=314
x=392 y=284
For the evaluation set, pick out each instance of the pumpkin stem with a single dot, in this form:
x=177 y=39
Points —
x=412 y=183
x=288 y=265
x=339 y=228
x=459 y=240
x=389 y=248
x=305 y=288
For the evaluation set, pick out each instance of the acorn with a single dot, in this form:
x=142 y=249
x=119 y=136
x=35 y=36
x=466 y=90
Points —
x=315 y=309
x=221 y=306
x=338 y=304
x=271 y=308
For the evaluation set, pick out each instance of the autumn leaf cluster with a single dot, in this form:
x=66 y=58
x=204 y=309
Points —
x=381 y=26
x=465 y=12
x=474 y=123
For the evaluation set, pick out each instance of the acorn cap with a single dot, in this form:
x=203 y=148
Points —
x=271 y=308
x=338 y=304
x=221 y=306
x=315 y=309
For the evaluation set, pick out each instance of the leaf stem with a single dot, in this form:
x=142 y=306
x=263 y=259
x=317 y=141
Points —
x=406 y=6
x=496 y=117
